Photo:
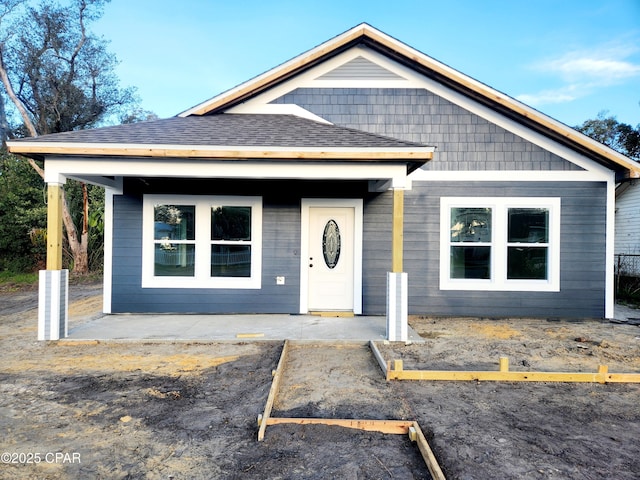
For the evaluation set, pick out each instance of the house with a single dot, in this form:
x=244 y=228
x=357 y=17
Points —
x=627 y=238
x=362 y=176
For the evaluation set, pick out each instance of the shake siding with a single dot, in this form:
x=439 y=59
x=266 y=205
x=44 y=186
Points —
x=464 y=141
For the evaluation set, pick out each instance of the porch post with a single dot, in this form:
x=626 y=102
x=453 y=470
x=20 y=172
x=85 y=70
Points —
x=54 y=281
x=397 y=281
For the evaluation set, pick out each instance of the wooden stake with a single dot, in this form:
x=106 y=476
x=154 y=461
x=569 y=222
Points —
x=504 y=364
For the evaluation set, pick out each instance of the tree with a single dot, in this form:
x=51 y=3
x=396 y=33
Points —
x=23 y=214
x=59 y=77
x=619 y=136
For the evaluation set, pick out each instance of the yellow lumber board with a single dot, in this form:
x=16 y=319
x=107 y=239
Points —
x=133 y=150
x=399 y=427
x=397 y=236
x=427 y=454
x=511 y=376
x=395 y=371
x=76 y=343
x=336 y=313
x=275 y=385
x=54 y=226
x=622 y=378
x=249 y=335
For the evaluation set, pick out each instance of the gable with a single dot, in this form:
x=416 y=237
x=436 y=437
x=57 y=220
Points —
x=365 y=90
x=416 y=64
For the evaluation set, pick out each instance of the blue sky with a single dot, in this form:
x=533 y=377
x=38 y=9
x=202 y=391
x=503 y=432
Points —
x=569 y=59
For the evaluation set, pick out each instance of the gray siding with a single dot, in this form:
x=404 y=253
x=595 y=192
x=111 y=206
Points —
x=280 y=249
x=281 y=243
x=582 y=280
x=464 y=140
x=582 y=253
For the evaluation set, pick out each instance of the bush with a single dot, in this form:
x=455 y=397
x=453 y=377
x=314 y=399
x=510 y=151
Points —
x=628 y=289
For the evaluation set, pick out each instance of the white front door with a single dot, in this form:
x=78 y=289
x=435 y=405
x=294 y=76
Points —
x=333 y=255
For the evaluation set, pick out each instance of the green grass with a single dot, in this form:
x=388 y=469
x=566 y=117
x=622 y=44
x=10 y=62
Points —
x=11 y=281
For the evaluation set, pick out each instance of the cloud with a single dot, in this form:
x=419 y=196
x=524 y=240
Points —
x=597 y=67
x=547 y=97
x=582 y=72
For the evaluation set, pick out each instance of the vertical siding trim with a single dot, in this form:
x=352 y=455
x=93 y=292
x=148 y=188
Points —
x=609 y=304
x=107 y=275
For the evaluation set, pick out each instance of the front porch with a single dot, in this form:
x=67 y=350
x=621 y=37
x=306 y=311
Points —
x=180 y=327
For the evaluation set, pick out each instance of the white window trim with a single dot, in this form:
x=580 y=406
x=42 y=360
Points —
x=202 y=275
x=498 y=280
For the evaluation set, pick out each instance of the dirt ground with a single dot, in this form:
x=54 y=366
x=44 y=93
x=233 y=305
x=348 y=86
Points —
x=188 y=410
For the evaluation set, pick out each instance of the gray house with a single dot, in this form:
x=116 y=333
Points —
x=363 y=177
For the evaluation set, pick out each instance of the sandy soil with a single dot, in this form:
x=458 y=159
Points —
x=188 y=410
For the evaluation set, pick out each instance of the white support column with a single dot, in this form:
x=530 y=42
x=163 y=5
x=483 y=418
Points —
x=397 y=306
x=53 y=301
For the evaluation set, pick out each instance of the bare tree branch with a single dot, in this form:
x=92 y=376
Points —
x=12 y=95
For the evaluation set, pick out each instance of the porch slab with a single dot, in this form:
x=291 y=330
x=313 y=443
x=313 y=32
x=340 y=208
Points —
x=178 y=327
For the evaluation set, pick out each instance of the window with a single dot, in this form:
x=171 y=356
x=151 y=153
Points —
x=500 y=244
x=202 y=241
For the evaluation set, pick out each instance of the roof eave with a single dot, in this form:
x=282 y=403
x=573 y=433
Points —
x=41 y=149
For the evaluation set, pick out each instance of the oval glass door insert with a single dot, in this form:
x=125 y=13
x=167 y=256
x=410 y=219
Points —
x=331 y=244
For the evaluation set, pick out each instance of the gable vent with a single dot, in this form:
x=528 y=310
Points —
x=360 y=69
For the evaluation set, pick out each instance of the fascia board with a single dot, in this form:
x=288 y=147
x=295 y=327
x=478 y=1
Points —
x=223 y=152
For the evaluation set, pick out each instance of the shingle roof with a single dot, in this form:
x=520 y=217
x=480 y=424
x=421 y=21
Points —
x=242 y=130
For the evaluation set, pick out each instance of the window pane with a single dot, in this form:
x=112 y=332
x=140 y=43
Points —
x=230 y=223
x=174 y=222
x=527 y=263
x=174 y=260
x=529 y=225
x=471 y=225
x=470 y=262
x=230 y=261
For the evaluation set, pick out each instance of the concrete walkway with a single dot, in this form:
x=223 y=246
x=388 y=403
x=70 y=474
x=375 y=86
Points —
x=233 y=327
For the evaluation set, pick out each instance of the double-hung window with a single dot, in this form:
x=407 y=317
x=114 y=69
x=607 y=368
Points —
x=500 y=243
x=202 y=241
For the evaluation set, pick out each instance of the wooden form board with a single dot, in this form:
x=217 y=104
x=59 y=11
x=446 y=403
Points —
x=394 y=370
x=275 y=385
x=397 y=427
x=402 y=427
